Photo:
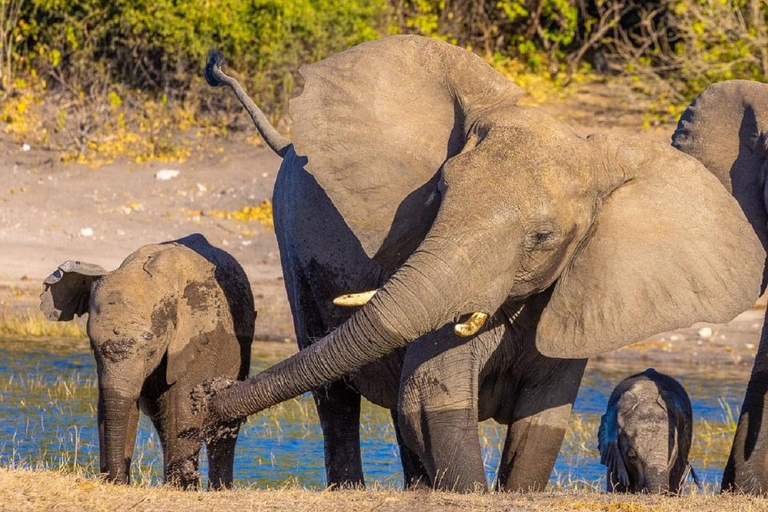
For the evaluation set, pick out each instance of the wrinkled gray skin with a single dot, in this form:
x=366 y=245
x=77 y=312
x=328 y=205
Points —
x=170 y=317
x=645 y=435
x=413 y=170
x=726 y=129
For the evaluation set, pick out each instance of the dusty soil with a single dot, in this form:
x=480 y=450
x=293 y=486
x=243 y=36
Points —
x=51 y=212
x=51 y=490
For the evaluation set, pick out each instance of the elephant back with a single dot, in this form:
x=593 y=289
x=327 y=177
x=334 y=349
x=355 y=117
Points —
x=726 y=129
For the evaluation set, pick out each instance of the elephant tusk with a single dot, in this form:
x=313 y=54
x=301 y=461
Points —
x=471 y=326
x=354 y=299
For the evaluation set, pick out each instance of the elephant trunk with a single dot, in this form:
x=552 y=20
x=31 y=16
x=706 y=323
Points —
x=655 y=481
x=420 y=297
x=114 y=416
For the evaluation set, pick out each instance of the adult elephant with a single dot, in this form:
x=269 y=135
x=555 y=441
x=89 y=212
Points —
x=726 y=129
x=170 y=317
x=413 y=171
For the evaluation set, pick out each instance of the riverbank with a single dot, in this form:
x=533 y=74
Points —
x=52 y=490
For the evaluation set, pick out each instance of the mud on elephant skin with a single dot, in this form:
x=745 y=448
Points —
x=413 y=171
x=645 y=435
x=171 y=316
x=726 y=129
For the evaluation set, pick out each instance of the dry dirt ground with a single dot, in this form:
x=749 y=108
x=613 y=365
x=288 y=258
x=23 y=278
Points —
x=22 y=490
x=51 y=212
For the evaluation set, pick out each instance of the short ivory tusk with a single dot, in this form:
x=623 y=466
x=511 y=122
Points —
x=354 y=299
x=471 y=326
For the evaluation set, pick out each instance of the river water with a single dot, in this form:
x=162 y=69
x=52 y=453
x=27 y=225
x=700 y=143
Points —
x=48 y=418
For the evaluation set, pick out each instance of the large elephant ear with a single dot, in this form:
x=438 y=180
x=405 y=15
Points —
x=377 y=121
x=67 y=291
x=669 y=247
x=726 y=129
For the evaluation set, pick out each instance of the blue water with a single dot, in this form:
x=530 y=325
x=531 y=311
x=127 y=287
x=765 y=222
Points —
x=48 y=418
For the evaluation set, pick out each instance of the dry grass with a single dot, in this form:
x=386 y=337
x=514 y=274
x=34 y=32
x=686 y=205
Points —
x=33 y=324
x=48 y=490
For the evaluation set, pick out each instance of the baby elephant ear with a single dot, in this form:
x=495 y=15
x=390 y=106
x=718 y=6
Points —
x=608 y=446
x=669 y=247
x=67 y=291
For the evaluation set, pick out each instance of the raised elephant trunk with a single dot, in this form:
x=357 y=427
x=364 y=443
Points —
x=420 y=297
x=114 y=424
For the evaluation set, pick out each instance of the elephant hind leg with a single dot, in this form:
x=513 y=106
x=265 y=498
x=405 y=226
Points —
x=221 y=462
x=338 y=404
x=338 y=407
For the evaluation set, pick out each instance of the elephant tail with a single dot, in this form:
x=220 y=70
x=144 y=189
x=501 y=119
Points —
x=216 y=78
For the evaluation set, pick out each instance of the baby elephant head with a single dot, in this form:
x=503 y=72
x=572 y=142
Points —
x=645 y=435
x=171 y=316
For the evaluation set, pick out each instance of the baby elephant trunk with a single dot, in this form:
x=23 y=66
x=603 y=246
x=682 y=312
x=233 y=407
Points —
x=117 y=418
x=656 y=481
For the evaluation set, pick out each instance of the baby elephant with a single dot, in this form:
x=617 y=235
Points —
x=645 y=435
x=173 y=315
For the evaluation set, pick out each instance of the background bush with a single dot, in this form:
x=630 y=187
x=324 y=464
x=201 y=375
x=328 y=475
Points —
x=133 y=67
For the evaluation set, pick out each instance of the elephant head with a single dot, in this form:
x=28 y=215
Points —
x=645 y=435
x=629 y=236
x=153 y=314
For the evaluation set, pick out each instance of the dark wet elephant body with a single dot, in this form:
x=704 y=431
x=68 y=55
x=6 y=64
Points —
x=170 y=317
x=726 y=129
x=413 y=171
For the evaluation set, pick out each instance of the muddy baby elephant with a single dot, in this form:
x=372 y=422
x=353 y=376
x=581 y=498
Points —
x=645 y=435
x=171 y=316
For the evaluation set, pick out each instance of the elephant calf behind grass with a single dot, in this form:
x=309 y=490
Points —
x=645 y=435
x=171 y=316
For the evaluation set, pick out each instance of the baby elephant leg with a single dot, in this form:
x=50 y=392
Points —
x=221 y=458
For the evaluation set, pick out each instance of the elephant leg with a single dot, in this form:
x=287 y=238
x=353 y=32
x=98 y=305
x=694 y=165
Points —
x=338 y=406
x=181 y=458
x=221 y=462
x=180 y=453
x=414 y=473
x=539 y=421
x=747 y=467
x=437 y=410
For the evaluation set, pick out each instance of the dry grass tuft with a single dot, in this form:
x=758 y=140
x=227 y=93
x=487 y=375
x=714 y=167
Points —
x=33 y=324
x=25 y=489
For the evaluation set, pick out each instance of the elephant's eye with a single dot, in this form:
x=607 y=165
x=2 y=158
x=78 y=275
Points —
x=539 y=238
x=631 y=455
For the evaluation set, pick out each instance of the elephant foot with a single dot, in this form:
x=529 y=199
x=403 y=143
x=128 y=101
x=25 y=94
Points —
x=184 y=474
